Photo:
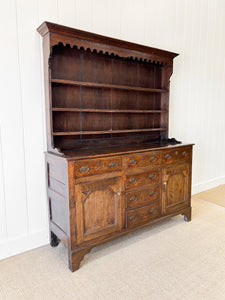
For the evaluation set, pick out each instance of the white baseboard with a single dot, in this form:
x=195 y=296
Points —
x=198 y=188
x=24 y=243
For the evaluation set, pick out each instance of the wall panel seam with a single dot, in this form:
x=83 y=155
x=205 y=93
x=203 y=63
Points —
x=43 y=103
x=57 y=10
x=75 y=12
x=41 y=82
x=92 y=16
x=22 y=117
x=3 y=184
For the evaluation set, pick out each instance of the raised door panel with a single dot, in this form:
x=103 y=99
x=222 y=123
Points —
x=175 y=193
x=98 y=207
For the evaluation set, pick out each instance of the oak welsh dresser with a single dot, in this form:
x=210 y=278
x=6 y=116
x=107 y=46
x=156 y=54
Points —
x=111 y=168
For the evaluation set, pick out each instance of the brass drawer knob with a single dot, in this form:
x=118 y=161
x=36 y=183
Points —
x=152 y=193
x=153 y=159
x=132 y=218
x=185 y=153
x=133 y=180
x=152 y=176
x=113 y=165
x=152 y=211
x=168 y=156
x=132 y=162
x=84 y=169
x=133 y=198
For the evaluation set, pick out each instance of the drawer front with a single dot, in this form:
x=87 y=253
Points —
x=143 y=197
x=176 y=155
x=144 y=160
x=142 y=215
x=143 y=179
x=97 y=166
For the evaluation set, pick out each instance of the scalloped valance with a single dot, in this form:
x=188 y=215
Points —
x=106 y=45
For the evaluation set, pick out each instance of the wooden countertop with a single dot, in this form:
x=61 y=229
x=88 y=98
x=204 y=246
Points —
x=115 y=150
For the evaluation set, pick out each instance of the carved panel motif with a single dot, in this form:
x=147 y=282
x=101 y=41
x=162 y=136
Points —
x=175 y=188
x=98 y=206
x=99 y=209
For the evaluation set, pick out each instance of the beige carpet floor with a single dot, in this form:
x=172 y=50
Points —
x=209 y=195
x=171 y=260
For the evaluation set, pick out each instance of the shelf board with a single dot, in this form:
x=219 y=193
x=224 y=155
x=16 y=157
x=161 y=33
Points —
x=107 y=131
x=108 y=110
x=105 y=85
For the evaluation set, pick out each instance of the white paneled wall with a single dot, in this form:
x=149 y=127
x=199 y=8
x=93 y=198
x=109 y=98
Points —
x=195 y=29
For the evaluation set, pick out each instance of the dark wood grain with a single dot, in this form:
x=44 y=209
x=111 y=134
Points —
x=75 y=258
x=137 y=161
x=98 y=208
x=107 y=131
x=64 y=31
x=107 y=110
x=176 y=155
x=176 y=190
x=143 y=179
x=109 y=167
x=97 y=166
x=97 y=94
x=142 y=215
x=105 y=85
x=142 y=197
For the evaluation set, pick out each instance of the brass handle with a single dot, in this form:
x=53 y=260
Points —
x=133 y=180
x=153 y=159
x=152 y=193
x=113 y=165
x=84 y=169
x=133 y=198
x=153 y=176
x=132 y=218
x=152 y=211
x=132 y=162
x=164 y=186
x=185 y=153
x=168 y=156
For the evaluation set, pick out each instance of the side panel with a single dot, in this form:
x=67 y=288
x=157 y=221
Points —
x=48 y=92
x=57 y=187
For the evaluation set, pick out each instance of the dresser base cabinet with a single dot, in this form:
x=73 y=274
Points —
x=110 y=199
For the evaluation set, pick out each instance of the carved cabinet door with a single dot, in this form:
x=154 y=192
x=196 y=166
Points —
x=98 y=208
x=176 y=194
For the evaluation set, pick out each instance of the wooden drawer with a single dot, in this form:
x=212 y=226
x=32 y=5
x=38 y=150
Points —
x=143 y=197
x=97 y=166
x=144 y=160
x=176 y=155
x=142 y=179
x=142 y=215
